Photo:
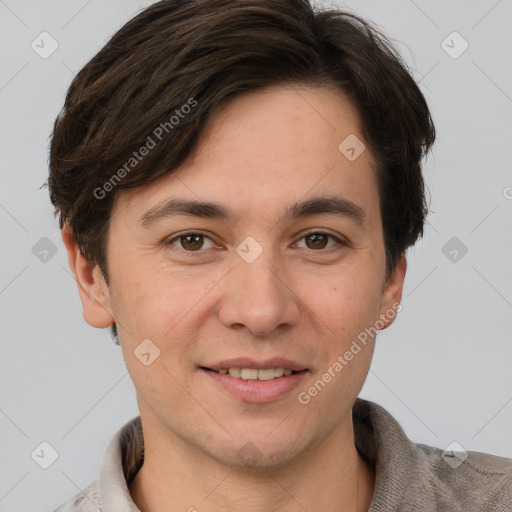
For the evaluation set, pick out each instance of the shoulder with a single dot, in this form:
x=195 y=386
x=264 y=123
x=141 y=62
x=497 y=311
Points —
x=468 y=481
x=416 y=477
x=86 y=501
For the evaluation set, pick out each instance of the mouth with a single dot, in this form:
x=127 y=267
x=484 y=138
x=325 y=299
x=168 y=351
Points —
x=252 y=380
x=254 y=373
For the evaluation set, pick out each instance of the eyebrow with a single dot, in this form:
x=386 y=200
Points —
x=333 y=205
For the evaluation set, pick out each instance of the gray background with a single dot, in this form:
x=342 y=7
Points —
x=443 y=369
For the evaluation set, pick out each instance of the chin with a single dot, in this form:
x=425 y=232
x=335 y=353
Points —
x=258 y=451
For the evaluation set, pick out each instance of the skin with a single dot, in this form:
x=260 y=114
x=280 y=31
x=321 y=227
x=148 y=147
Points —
x=263 y=151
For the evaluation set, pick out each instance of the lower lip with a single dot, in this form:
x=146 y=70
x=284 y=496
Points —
x=257 y=390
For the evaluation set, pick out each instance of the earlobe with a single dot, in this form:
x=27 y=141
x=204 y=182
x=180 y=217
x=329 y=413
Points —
x=392 y=293
x=91 y=284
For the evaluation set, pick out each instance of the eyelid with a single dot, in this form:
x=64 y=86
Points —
x=340 y=240
x=169 y=241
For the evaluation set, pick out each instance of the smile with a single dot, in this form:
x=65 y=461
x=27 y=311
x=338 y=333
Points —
x=256 y=385
x=253 y=373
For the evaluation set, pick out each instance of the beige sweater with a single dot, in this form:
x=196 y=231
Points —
x=410 y=477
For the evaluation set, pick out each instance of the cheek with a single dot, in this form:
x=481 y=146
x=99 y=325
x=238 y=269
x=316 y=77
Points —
x=146 y=298
x=350 y=313
x=166 y=308
x=347 y=302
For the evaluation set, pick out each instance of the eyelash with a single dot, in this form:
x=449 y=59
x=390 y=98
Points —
x=339 y=241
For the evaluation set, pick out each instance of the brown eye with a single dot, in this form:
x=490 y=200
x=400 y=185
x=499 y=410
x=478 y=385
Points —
x=190 y=242
x=316 y=240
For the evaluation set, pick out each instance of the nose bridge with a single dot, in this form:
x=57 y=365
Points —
x=256 y=295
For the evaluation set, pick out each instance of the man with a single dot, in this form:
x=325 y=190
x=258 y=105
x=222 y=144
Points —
x=238 y=182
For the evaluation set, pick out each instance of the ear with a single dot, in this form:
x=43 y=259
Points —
x=392 y=293
x=91 y=284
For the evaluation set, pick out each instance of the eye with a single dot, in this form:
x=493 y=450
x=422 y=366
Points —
x=194 y=242
x=318 y=240
x=190 y=242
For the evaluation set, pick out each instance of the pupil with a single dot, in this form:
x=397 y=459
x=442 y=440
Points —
x=317 y=239
x=194 y=244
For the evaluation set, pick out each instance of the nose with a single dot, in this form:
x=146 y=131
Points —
x=258 y=297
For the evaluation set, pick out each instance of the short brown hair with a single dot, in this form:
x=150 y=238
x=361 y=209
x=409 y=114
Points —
x=208 y=51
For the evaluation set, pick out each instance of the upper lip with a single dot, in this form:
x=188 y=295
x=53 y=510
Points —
x=247 y=362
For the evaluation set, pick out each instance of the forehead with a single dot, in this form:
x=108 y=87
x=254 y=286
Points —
x=297 y=117
x=269 y=147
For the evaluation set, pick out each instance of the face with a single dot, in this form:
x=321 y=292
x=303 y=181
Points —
x=271 y=281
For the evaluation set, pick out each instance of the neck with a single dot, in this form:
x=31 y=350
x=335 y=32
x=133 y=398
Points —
x=194 y=482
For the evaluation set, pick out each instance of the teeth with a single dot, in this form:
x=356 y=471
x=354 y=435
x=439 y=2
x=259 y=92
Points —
x=235 y=372
x=264 y=374
x=249 y=374
x=254 y=374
